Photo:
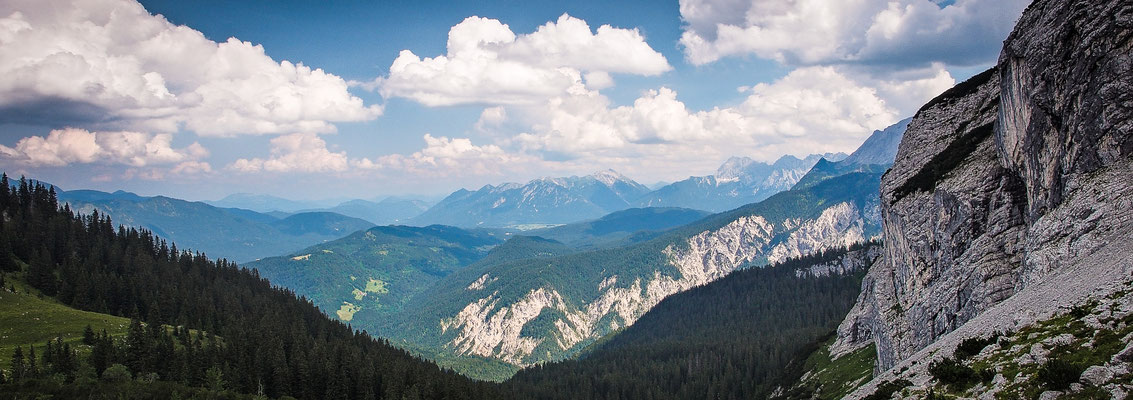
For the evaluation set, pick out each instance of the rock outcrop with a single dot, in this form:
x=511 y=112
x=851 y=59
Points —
x=1003 y=179
x=495 y=328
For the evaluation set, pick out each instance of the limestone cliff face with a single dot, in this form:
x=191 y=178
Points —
x=1066 y=119
x=493 y=328
x=1004 y=178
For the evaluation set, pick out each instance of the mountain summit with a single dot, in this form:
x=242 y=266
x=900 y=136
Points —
x=540 y=201
x=739 y=181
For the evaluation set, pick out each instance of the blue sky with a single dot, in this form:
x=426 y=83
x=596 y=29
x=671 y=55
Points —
x=106 y=94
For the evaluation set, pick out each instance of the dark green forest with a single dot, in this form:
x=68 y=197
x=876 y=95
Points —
x=201 y=326
x=730 y=339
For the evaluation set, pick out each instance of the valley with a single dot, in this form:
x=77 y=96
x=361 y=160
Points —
x=976 y=242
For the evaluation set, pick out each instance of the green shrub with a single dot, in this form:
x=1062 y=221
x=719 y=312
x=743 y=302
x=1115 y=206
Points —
x=972 y=346
x=886 y=389
x=1058 y=374
x=951 y=372
x=1080 y=311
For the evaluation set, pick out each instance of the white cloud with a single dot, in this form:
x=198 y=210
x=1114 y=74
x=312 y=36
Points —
x=110 y=63
x=806 y=32
x=445 y=157
x=299 y=152
x=488 y=63
x=491 y=117
x=192 y=168
x=907 y=90
x=68 y=146
x=816 y=103
x=811 y=110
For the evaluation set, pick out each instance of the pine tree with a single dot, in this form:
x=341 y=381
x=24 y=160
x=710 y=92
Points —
x=5 y=191
x=137 y=348
x=7 y=262
x=48 y=362
x=102 y=353
x=19 y=369
x=214 y=378
x=88 y=336
x=31 y=371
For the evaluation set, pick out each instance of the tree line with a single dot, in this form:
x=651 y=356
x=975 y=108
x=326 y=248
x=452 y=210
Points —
x=196 y=321
x=734 y=338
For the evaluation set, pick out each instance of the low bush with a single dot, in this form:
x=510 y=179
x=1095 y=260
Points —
x=886 y=389
x=951 y=372
x=972 y=346
x=1058 y=374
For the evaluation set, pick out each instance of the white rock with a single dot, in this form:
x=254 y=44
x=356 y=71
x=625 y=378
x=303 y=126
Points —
x=1038 y=353
x=1060 y=340
x=1097 y=375
x=1050 y=395
x=1125 y=355
x=1117 y=392
x=999 y=380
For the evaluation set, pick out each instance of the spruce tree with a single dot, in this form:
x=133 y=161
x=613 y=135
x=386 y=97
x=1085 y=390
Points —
x=137 y=348
x=19 y=369
x=88 y=336
x=31 y=371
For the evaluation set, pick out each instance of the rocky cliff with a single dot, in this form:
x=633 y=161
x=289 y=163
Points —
x=494 y=326
x=1003 y=179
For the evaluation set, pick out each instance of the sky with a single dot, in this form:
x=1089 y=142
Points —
x=312 y=99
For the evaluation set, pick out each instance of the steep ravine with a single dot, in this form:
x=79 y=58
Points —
x=1004 y=181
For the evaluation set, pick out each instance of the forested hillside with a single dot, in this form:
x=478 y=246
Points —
x=729 y=339
x=236 y=234
x=224 y=329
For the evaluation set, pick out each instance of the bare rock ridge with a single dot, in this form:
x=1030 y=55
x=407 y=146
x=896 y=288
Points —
x=1004 y=180
x=494 y=327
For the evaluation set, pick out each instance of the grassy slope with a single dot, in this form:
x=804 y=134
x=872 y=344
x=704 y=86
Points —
x=375 y=271
x=27 y=318
x=828 y=378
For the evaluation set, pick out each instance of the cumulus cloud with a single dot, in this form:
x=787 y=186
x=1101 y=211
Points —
x=818 y=103
x=298 y=152
x=447 y=157
x=812 y=109
x=808 y=32
x=110 y=63
x=491 y=117
x=488 y=63
x=69 y=146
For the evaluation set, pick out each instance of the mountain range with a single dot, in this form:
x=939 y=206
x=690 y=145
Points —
x=549 y=294
x=236 y=234
x=546 y=201
x=416 y=284
x=389 y=210
x=739 y=181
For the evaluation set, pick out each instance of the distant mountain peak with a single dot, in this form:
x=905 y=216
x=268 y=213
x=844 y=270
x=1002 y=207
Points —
x=738 y=181
x=733 y=168
x=881 y=146
x=609 y=177
x=547 y=200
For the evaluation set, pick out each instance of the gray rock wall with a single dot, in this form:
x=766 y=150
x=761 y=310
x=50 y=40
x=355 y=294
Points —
x=1004 y=178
